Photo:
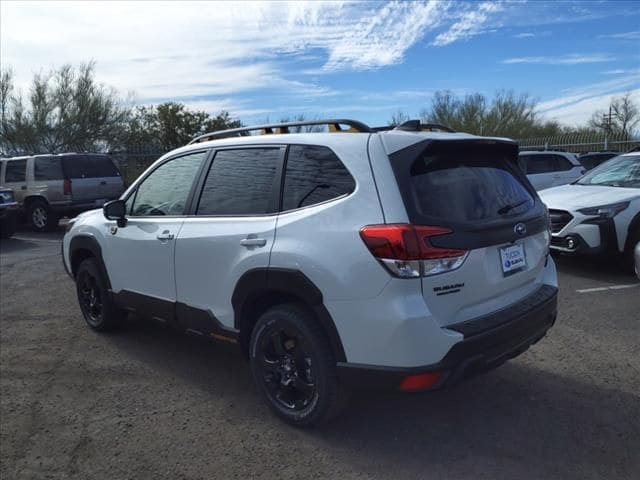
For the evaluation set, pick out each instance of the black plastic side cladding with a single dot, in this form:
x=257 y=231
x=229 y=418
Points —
x=86 y=242
x=272 y=281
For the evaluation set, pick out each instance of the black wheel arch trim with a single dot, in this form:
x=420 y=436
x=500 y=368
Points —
x=262 y=281
x=634 y=226
x=89 y=243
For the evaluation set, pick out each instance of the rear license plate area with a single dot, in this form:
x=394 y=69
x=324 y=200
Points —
x=513 y=259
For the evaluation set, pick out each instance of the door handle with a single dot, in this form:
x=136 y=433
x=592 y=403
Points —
x=166 y=235
x=104 y=182
x=23 y=187
x=253 y=242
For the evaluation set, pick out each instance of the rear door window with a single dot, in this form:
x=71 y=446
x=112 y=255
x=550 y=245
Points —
x=540 y=164
x=47 y=168
x=314 y=175
x=240 y=182
x=562 y=164
x=89 y=166
x=15 y=171
x=467 y=185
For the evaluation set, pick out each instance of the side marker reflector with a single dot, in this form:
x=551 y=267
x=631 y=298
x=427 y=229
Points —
x=421 y=381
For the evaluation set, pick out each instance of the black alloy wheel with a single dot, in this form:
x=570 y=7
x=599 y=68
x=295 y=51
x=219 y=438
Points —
x=96 y=304
x=286 y=366
x=90 y=298
x=294 y=367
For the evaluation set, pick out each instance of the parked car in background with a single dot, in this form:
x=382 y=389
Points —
x=401 y=259
x=546 y=169
x=8 y=213
x=599 y=213
x=49 y=186
x=593 y=159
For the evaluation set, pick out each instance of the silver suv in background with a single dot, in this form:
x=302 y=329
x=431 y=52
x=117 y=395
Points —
x=546 y=169
x=49 y=186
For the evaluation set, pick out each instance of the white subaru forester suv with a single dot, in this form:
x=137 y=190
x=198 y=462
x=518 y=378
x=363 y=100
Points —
x=404 y=259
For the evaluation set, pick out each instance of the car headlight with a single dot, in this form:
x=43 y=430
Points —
x=605 y=211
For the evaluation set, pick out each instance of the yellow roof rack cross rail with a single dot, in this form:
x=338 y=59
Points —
x=333 y=125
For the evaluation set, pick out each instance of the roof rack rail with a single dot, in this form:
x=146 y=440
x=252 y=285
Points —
x=414 y=126
x=417 y=126
x=334 y=125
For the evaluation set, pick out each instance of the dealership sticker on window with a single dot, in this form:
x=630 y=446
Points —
x=513 y=259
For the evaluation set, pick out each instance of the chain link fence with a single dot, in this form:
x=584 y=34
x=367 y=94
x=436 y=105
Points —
x=580 y=143
x=135 y=160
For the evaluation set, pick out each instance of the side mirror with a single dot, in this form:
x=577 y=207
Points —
x=115 y=210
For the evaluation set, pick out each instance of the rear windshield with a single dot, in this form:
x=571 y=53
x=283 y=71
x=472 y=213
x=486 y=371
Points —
x=89 y=166
x=467 y=184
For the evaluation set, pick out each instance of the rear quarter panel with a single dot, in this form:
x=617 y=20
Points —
x=323 y=241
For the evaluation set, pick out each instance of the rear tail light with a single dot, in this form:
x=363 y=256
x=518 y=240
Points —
x=67 y=187
x=406 y=250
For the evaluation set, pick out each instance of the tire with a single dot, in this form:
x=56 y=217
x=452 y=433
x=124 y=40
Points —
x=8 y=226
x=629 y=258
x=293 y=366
x=96 y=304
x=41 y=217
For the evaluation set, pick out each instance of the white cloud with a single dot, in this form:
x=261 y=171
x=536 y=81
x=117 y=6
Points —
x=382 y=38
x=576 y=105
x=617 y=71
x=545 y=33
x=470 y=24
x=169 y=49
x=623 y=35
x=572 y=59
x=580 y=112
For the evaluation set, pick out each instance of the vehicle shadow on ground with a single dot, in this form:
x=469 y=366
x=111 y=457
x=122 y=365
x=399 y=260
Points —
x=607 y=268
x=12 y=245
x=520 y=416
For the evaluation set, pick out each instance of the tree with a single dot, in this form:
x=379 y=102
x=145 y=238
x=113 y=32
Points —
x=301 y=117
x=66 y=110
x=622 y=117
x=398 y=118
x=507 y=115
x=171 y=125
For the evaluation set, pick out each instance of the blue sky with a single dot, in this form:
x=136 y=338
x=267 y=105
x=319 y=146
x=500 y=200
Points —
x=362 y=60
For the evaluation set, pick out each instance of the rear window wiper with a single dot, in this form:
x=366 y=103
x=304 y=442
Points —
x=507 y=208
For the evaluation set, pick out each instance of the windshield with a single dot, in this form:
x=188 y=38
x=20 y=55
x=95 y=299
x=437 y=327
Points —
x=621 y=171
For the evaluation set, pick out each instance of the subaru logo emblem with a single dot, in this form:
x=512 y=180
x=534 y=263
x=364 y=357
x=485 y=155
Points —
x=520 y=229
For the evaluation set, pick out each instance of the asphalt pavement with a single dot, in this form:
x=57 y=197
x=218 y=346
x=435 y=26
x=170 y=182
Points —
x=147 y=403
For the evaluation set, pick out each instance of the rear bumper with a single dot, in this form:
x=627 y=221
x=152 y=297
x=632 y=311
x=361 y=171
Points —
x=488 y=342
x=8 y=210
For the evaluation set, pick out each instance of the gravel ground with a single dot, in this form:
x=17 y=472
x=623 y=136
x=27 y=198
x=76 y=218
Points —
x=148 y=403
